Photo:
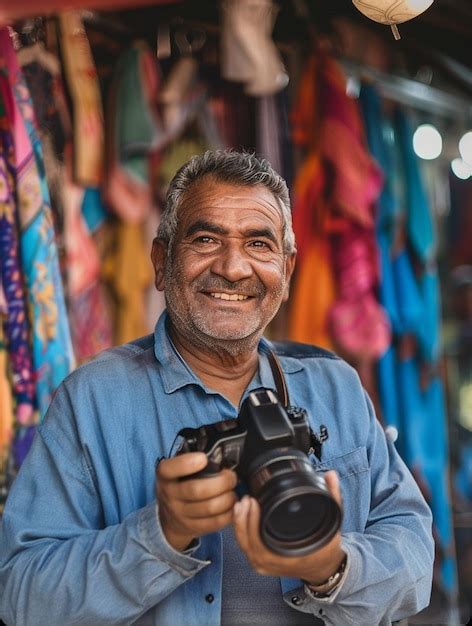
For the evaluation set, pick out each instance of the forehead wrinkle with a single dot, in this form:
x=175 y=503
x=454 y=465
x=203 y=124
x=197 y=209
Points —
x=207 y=187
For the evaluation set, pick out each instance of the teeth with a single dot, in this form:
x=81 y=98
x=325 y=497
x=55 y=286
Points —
x=227 y=296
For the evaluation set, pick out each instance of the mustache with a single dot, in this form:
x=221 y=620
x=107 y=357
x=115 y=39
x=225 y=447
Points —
x=247 y=287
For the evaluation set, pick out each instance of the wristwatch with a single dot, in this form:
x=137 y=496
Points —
x=326 y=588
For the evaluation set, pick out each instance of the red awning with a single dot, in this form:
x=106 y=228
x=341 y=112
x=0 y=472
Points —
x=11 y=10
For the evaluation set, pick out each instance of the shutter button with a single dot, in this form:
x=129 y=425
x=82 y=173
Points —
x=296 y=600
x=209 y=598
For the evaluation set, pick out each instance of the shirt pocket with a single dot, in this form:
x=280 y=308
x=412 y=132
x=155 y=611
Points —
x=354 y=477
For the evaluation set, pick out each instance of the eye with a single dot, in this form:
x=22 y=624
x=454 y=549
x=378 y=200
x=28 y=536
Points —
x=204 y=239
x=258 y=243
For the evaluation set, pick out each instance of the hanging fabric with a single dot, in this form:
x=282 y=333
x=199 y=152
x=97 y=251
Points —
x=82 y=82
x=52 y=349
x=16 y=321
x=411 y=395
x=136 y=134
x=335 y=193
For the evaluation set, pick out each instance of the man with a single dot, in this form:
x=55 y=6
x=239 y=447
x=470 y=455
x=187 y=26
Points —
x=95 y=533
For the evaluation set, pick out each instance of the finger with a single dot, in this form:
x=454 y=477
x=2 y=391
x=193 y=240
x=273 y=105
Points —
x=240 y=522
x=255 y=544
x=260 y=557
x=206 y=488
x=332 y=482
x=209 y=508
x=205 y=525
x=181 y=465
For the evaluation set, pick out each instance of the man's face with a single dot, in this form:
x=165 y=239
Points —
x=227 y=273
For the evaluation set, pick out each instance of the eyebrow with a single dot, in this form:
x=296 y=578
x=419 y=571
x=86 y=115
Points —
x=203 y=225
x=210 y=227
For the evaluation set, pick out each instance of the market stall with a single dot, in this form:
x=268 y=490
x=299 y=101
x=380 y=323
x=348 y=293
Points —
x=99 y=106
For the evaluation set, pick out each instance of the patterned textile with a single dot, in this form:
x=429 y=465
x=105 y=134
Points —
x=88 y=311
x=52 y=348
x=90 y=322
x=16 y=323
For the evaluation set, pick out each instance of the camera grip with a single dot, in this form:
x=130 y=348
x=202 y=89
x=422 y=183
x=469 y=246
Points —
x=211 y=469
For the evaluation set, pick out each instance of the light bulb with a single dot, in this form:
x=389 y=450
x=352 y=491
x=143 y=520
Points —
x=461 y=169
x=465 y=147
x=427 y=142
x=392 y=12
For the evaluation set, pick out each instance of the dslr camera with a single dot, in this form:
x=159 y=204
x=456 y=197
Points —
x=268 y=446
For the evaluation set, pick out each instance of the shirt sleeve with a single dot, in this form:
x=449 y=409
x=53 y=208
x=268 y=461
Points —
x=389 y=569
x=59 y=564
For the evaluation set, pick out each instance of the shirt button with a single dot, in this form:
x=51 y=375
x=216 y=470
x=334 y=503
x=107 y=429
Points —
x=296 y=600
x=209 y=598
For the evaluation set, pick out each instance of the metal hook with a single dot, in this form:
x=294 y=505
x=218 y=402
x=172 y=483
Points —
x=189 y=41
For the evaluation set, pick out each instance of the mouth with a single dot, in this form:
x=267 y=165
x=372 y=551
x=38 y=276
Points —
x=228 y=297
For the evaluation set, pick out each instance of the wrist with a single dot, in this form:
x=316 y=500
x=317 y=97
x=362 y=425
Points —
x=326 y=569
x=178 y=541
x=326 y=587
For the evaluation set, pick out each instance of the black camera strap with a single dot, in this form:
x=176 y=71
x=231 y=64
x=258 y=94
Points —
x=279 y=378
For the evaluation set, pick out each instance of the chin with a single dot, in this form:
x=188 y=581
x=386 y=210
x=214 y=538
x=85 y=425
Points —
x=225 y=332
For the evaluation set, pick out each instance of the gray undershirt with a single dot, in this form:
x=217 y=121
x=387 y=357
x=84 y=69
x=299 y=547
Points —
x=251 y=599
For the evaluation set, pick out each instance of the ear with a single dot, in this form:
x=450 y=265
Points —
x=289 y=267
x=158 y=258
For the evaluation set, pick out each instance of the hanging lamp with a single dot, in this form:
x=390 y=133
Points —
x=392 y=12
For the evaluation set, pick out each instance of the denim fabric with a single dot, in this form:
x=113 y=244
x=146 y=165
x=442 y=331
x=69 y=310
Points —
x=80 y=539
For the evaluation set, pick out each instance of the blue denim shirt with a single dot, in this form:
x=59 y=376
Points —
x=80 y=539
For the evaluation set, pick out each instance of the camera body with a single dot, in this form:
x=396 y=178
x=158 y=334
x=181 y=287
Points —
x=267 y=446
x=262 y=425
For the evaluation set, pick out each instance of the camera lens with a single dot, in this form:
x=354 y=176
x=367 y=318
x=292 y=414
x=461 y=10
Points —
x=298 y=514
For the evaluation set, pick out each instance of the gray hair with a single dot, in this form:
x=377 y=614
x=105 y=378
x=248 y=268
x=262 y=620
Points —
x=229 y=166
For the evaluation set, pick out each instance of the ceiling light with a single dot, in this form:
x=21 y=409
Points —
x=461 y=169
x=392 y=12
x=465 y=147
x=427 y=142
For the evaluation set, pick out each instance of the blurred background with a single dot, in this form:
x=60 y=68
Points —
x=364 y=108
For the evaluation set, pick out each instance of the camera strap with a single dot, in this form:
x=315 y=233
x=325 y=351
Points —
x=279 y=378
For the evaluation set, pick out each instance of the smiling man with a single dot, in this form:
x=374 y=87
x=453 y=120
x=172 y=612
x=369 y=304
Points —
x=105 y=525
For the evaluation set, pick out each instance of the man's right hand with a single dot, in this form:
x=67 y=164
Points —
x=193 y=507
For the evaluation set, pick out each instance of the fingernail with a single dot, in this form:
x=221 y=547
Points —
x=237 y=508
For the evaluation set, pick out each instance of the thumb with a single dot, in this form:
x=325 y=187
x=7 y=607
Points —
x=332 y=482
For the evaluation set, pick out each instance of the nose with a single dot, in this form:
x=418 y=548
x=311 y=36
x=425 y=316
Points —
x=232 y=263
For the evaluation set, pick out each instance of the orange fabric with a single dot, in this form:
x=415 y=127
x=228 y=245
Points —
x=312 y=296
x=310 y=212
x=304 y=117
x=313 y=290
x=6 y=403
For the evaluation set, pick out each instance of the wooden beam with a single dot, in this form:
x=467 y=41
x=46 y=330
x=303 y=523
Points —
x=12 y=10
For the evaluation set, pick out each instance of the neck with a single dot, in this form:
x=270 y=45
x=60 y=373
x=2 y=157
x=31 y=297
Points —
x=218 y=368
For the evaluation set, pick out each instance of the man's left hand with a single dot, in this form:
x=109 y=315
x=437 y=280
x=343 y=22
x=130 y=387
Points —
x=315 y=568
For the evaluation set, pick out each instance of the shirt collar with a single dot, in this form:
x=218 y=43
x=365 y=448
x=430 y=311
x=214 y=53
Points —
x=176 y=373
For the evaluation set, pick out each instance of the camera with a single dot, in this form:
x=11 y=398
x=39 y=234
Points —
x=268 y=446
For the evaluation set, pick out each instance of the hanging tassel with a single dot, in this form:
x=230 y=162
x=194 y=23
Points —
x=395 y=31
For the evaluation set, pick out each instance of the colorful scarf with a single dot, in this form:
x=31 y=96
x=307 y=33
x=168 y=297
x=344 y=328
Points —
x=16 y=323
x=52 y=348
